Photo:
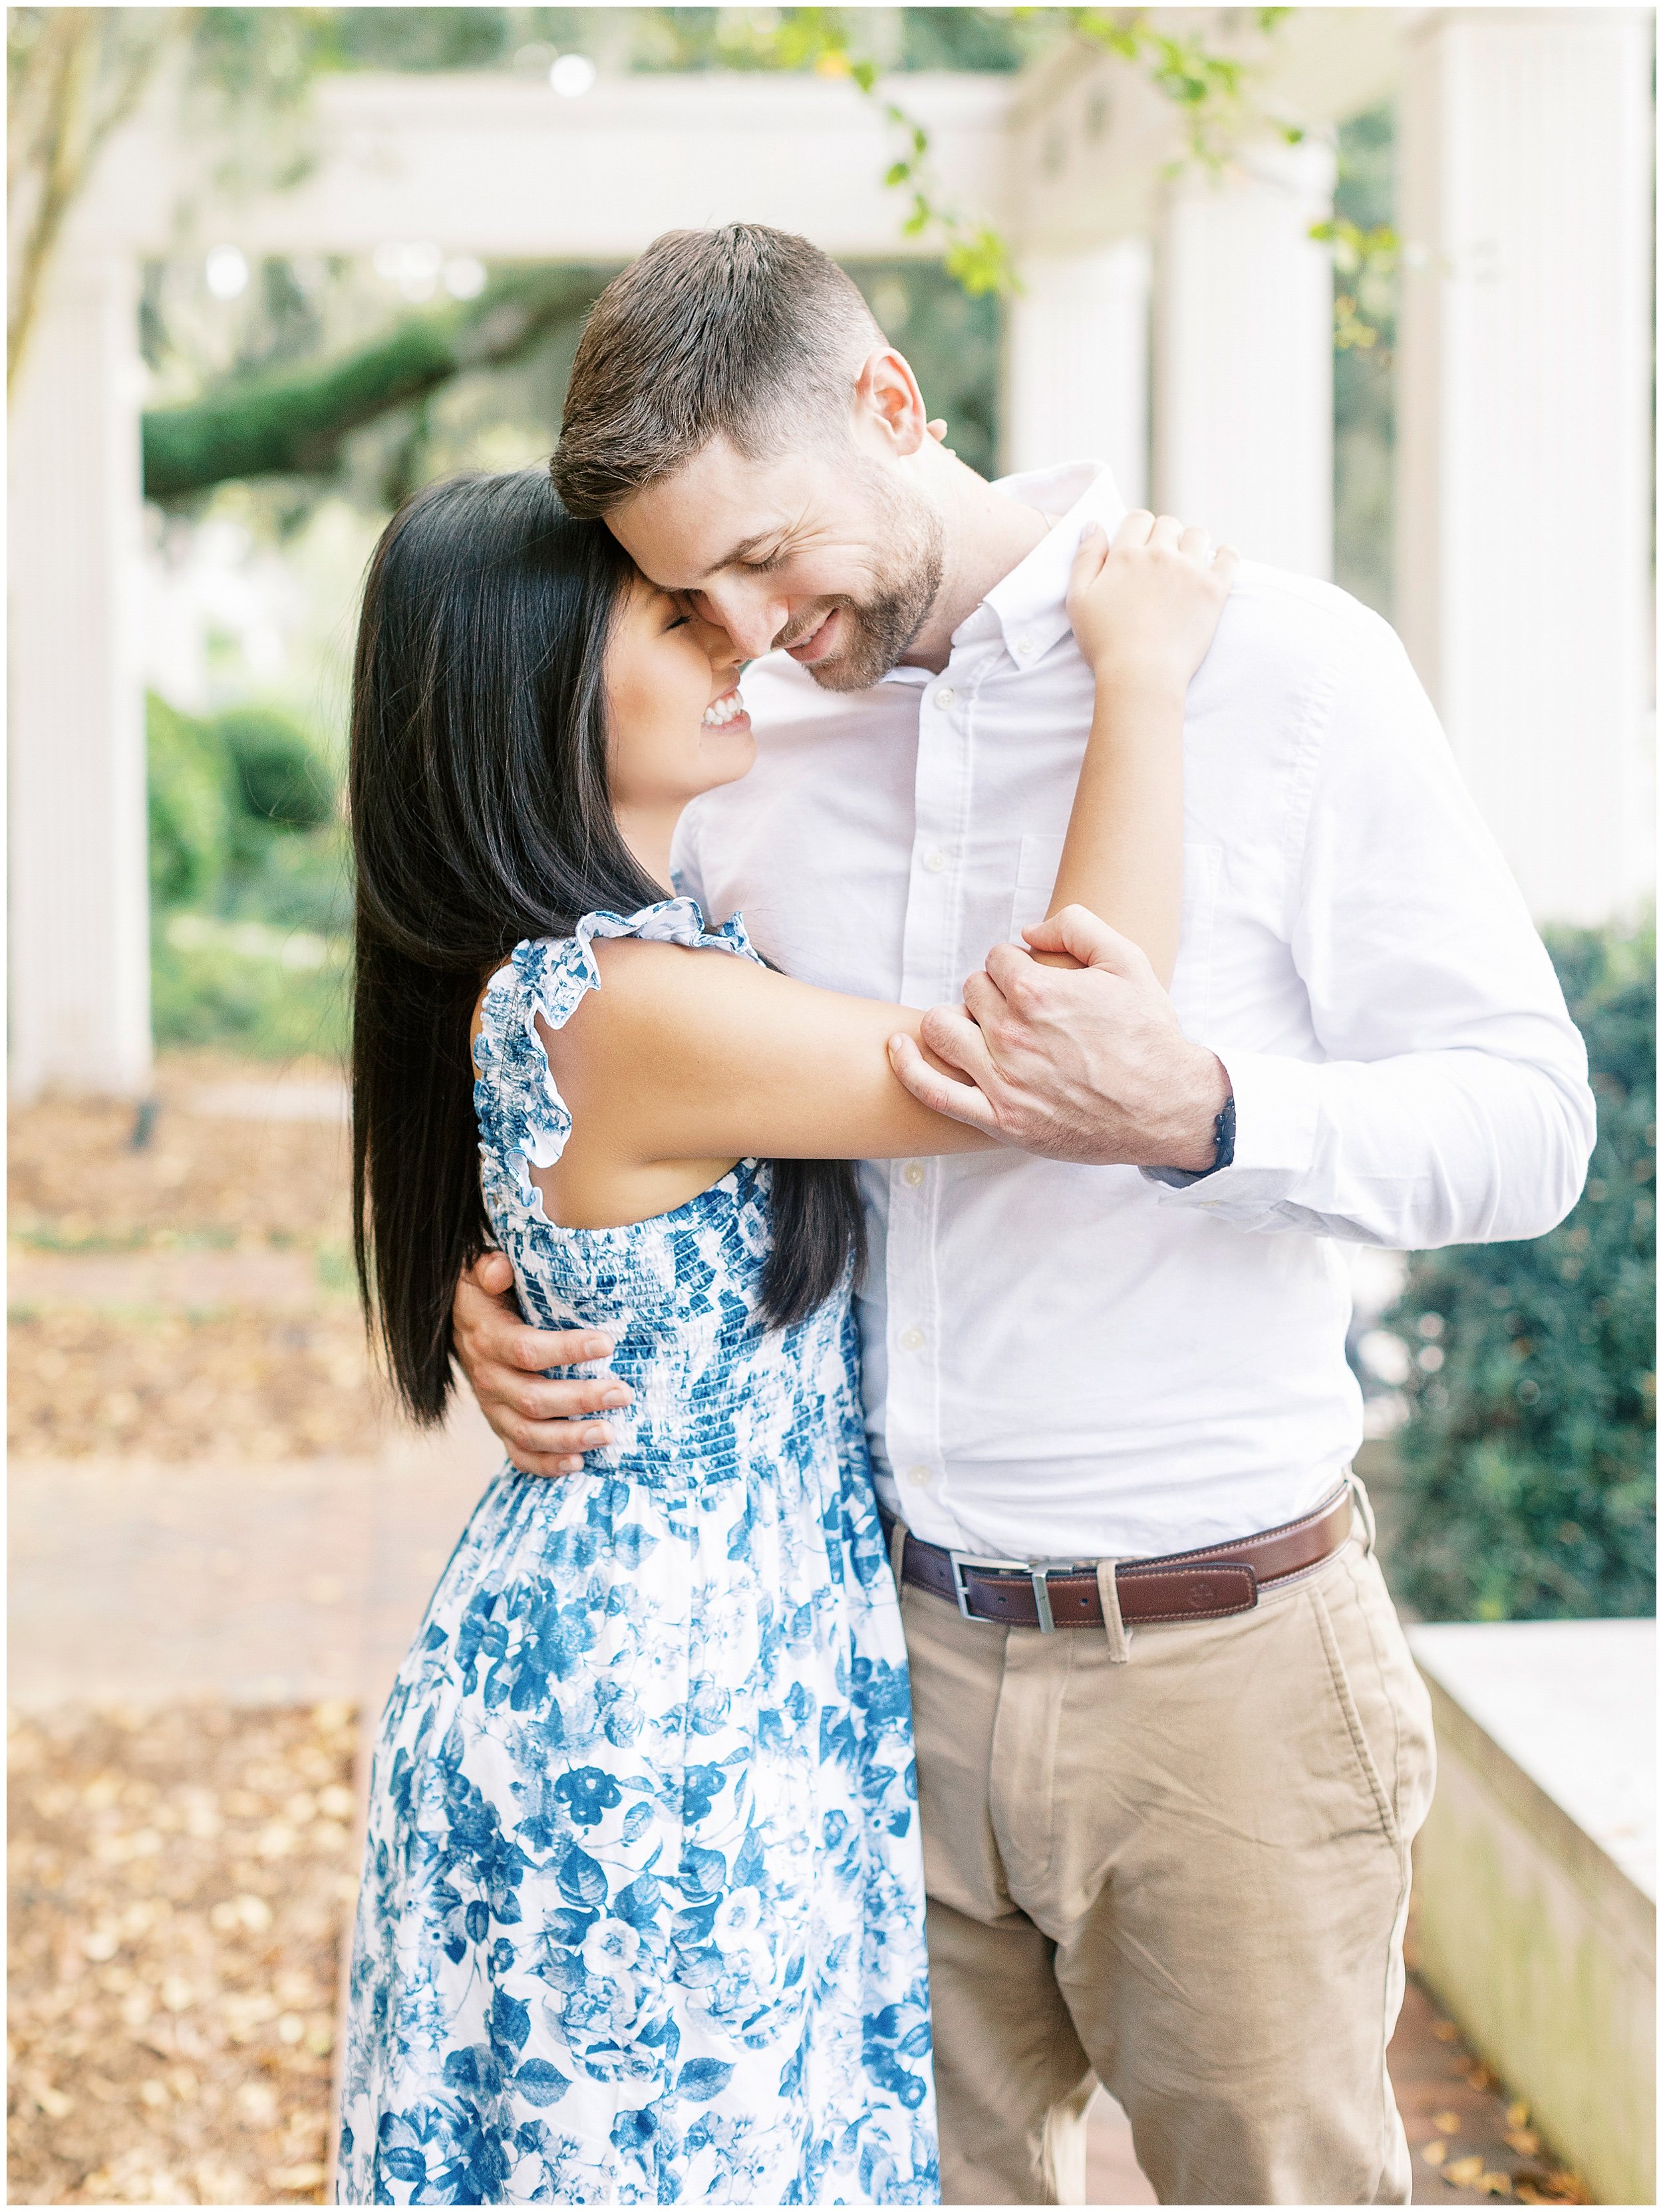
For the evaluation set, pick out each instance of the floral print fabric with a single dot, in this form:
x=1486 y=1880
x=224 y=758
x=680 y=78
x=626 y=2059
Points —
x=641 y=1919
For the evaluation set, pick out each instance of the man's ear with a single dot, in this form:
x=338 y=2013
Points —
x=888 y=403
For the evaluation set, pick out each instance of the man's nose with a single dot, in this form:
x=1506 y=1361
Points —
x=752 y=624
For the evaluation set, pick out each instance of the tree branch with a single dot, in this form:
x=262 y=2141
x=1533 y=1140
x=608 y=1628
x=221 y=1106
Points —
x=293 y=423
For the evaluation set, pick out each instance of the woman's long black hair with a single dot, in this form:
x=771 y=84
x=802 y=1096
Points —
x=481 y=816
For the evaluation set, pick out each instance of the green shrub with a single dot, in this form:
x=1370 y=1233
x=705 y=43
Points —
x=219 y=992
x=247 y=850
x=191 y=807
x=302 y=880
x=1528 y=1478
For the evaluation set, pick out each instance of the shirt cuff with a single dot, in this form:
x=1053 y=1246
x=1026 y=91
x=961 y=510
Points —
x=1278 y=1104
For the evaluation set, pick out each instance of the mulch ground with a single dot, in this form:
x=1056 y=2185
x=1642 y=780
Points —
x=166 y=1373
x=179 y=1884
x=1471 y=2143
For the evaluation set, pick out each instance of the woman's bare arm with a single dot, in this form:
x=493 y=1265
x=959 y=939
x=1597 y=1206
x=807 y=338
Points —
x=1144 y=609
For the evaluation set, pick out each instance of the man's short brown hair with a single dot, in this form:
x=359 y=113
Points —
x=736 y=333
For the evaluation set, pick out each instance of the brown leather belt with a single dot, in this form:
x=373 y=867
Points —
x=1203 y=1585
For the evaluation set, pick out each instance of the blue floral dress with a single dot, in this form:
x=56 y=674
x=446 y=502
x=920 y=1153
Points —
x=641 y=1919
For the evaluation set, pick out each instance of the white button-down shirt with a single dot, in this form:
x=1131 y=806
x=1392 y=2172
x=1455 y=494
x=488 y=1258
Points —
x=1083 y=1362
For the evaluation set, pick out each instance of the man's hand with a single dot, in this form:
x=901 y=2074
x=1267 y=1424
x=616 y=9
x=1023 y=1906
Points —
x=541 y=1423
x=1085 y=1063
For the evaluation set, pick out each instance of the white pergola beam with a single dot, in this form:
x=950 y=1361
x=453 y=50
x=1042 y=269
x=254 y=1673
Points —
x=504 y=168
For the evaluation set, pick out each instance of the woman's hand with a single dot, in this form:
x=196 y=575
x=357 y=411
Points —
x=1144 y=609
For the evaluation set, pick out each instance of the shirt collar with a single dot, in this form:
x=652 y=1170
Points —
x=1026 y=609
x=1029 y=603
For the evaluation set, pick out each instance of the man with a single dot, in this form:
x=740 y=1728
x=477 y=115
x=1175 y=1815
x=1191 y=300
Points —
x=1166 y=1812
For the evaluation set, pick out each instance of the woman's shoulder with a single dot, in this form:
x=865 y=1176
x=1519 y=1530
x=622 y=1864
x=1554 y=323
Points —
x=544 y=979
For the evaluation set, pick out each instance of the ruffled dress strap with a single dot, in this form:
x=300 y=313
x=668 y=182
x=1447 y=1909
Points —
x=524 y=1122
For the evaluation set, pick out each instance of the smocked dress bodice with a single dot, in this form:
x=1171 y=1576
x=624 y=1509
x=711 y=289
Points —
x=679 y=1291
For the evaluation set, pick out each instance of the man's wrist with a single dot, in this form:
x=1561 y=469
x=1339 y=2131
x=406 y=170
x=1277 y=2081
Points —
x=1193 y=1148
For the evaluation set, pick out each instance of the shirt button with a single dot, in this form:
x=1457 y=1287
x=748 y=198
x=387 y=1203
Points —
x=936 y=862
x=945 y=695
x=912 y=1340
x=1025 y=644
x=913 y=1172
x=919 y=1477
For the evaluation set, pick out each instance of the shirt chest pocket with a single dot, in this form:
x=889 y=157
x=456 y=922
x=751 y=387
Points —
x=1037 y=860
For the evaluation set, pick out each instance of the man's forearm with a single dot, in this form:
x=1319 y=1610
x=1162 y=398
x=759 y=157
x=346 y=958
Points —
x=1427 y=1149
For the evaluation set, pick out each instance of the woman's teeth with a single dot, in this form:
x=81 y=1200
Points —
x=721 y=712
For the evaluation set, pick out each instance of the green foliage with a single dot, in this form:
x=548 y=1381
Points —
x=218 y=993
x=1528 y=1469
x=281 y=781
x=190 y=804
x=247 y=853
x=1208 y=89
x=1365 y=392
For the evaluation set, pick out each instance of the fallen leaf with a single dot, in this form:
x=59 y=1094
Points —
x=1464 y=2172
x=1445 y=2031
x=1517 y=2114
x=1497 y=2184
x=1525 y=2141
x=1434 y=2153
x=1447 y=2124
x=309 y=2176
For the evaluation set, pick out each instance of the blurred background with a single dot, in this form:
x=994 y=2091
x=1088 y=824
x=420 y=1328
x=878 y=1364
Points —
x=1367 y=290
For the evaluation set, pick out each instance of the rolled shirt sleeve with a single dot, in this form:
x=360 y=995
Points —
x=1452 y=1102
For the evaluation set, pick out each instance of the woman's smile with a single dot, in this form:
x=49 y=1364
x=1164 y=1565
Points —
x=726 y=712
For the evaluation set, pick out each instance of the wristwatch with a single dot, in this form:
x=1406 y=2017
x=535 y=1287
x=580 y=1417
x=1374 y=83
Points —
x=1224 y=1136
x=1224 y=1151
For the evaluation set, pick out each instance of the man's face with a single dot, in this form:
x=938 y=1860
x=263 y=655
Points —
x=834 y=553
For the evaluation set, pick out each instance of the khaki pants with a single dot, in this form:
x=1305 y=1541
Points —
x=1185 y=1875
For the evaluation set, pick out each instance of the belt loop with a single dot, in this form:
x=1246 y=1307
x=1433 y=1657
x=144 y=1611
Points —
x=897 y=1552
x=1365 y=1511
x=1119 y=1636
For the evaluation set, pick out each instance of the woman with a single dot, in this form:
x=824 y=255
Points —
x=642 y=1917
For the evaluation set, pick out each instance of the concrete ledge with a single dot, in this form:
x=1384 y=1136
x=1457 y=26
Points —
x=1535 y=1878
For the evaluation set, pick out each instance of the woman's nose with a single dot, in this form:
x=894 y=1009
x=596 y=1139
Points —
x=719 y=644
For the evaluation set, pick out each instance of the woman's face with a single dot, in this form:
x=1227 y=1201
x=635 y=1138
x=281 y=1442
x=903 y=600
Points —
x=678 y=724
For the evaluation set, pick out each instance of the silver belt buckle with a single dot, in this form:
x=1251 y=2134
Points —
x=1035 y=1570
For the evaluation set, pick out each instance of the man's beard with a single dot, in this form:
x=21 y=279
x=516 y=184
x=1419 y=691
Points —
x=910 y=555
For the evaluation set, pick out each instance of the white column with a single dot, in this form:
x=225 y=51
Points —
x=1525 y=153
x=80 y=919
x=1244 y=409
x=1077 y=369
